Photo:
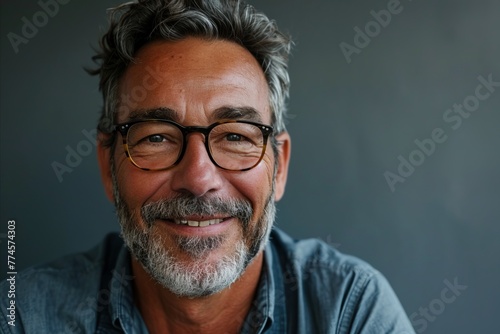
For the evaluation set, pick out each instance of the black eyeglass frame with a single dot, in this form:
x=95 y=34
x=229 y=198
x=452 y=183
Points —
x=123 y=129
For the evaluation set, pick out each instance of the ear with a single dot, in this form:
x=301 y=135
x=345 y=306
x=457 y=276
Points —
x=284 y=150
x=104 y=160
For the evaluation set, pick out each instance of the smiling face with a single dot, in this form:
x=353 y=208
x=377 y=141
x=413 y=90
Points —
x=195 y=227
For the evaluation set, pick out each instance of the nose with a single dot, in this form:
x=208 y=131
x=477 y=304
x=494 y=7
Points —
x=196 y=173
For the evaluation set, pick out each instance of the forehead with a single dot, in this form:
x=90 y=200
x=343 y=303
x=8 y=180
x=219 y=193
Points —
x=193 y=78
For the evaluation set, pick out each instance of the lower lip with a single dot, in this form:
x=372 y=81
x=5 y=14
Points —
x=197 y=230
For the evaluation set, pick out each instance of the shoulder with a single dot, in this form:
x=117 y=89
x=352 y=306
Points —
x=46 y=294
x=336 y=292
x=315 y=256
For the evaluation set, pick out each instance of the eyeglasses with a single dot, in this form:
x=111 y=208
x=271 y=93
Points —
x=155 y=144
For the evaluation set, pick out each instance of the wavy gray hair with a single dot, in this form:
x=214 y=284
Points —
x=134 y=24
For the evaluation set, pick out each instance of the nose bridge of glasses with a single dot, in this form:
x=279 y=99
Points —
x=193 y=129
x=204 y=131
x=189 y=130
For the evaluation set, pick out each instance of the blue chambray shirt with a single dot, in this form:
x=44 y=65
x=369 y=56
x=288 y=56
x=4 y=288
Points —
x=305 y=287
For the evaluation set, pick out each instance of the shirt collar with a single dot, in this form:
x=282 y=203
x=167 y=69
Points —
x=268 y=306
x=123 y=312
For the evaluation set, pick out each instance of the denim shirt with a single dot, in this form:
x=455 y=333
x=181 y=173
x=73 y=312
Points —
x=305 y=287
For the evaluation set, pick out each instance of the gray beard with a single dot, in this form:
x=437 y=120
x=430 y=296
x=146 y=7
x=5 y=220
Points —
x=197 y=277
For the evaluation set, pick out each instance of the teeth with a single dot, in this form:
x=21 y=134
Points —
x=195 y=223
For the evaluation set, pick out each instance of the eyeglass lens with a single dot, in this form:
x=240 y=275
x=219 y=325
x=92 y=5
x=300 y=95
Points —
x=158 y=145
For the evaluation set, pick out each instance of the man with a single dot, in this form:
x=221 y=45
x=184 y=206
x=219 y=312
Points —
x=194 y=153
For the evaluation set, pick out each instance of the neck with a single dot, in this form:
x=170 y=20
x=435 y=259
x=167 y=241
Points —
x=223 y=312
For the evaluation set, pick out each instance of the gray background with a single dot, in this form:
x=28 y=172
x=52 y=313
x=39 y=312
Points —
x=349 y=124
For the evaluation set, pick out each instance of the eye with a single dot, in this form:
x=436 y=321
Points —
x=234 y=137
x=155 y=139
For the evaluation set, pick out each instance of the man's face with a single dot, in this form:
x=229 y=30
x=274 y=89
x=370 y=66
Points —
x=194 y=80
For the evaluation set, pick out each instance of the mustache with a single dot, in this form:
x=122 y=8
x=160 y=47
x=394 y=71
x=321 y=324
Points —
x=188 y=205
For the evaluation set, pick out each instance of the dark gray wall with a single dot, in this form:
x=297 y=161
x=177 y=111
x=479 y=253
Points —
x=350 y=123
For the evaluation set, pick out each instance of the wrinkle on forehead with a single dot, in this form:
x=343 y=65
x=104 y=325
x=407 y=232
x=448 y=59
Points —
x=203 y=57
x=194 y=75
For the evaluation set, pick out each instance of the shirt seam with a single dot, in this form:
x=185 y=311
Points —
x=354 y=298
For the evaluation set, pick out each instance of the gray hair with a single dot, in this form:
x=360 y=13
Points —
x=134 y=24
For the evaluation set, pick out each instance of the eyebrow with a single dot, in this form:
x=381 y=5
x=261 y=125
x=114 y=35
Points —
x=236 y=113
x=222 y=113
x=156 y=113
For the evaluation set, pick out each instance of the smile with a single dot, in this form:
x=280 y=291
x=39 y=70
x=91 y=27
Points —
x=194 y=223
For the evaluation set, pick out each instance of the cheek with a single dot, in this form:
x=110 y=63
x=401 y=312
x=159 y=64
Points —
x=268 y=164
x=136 y=186
x=256 y=184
